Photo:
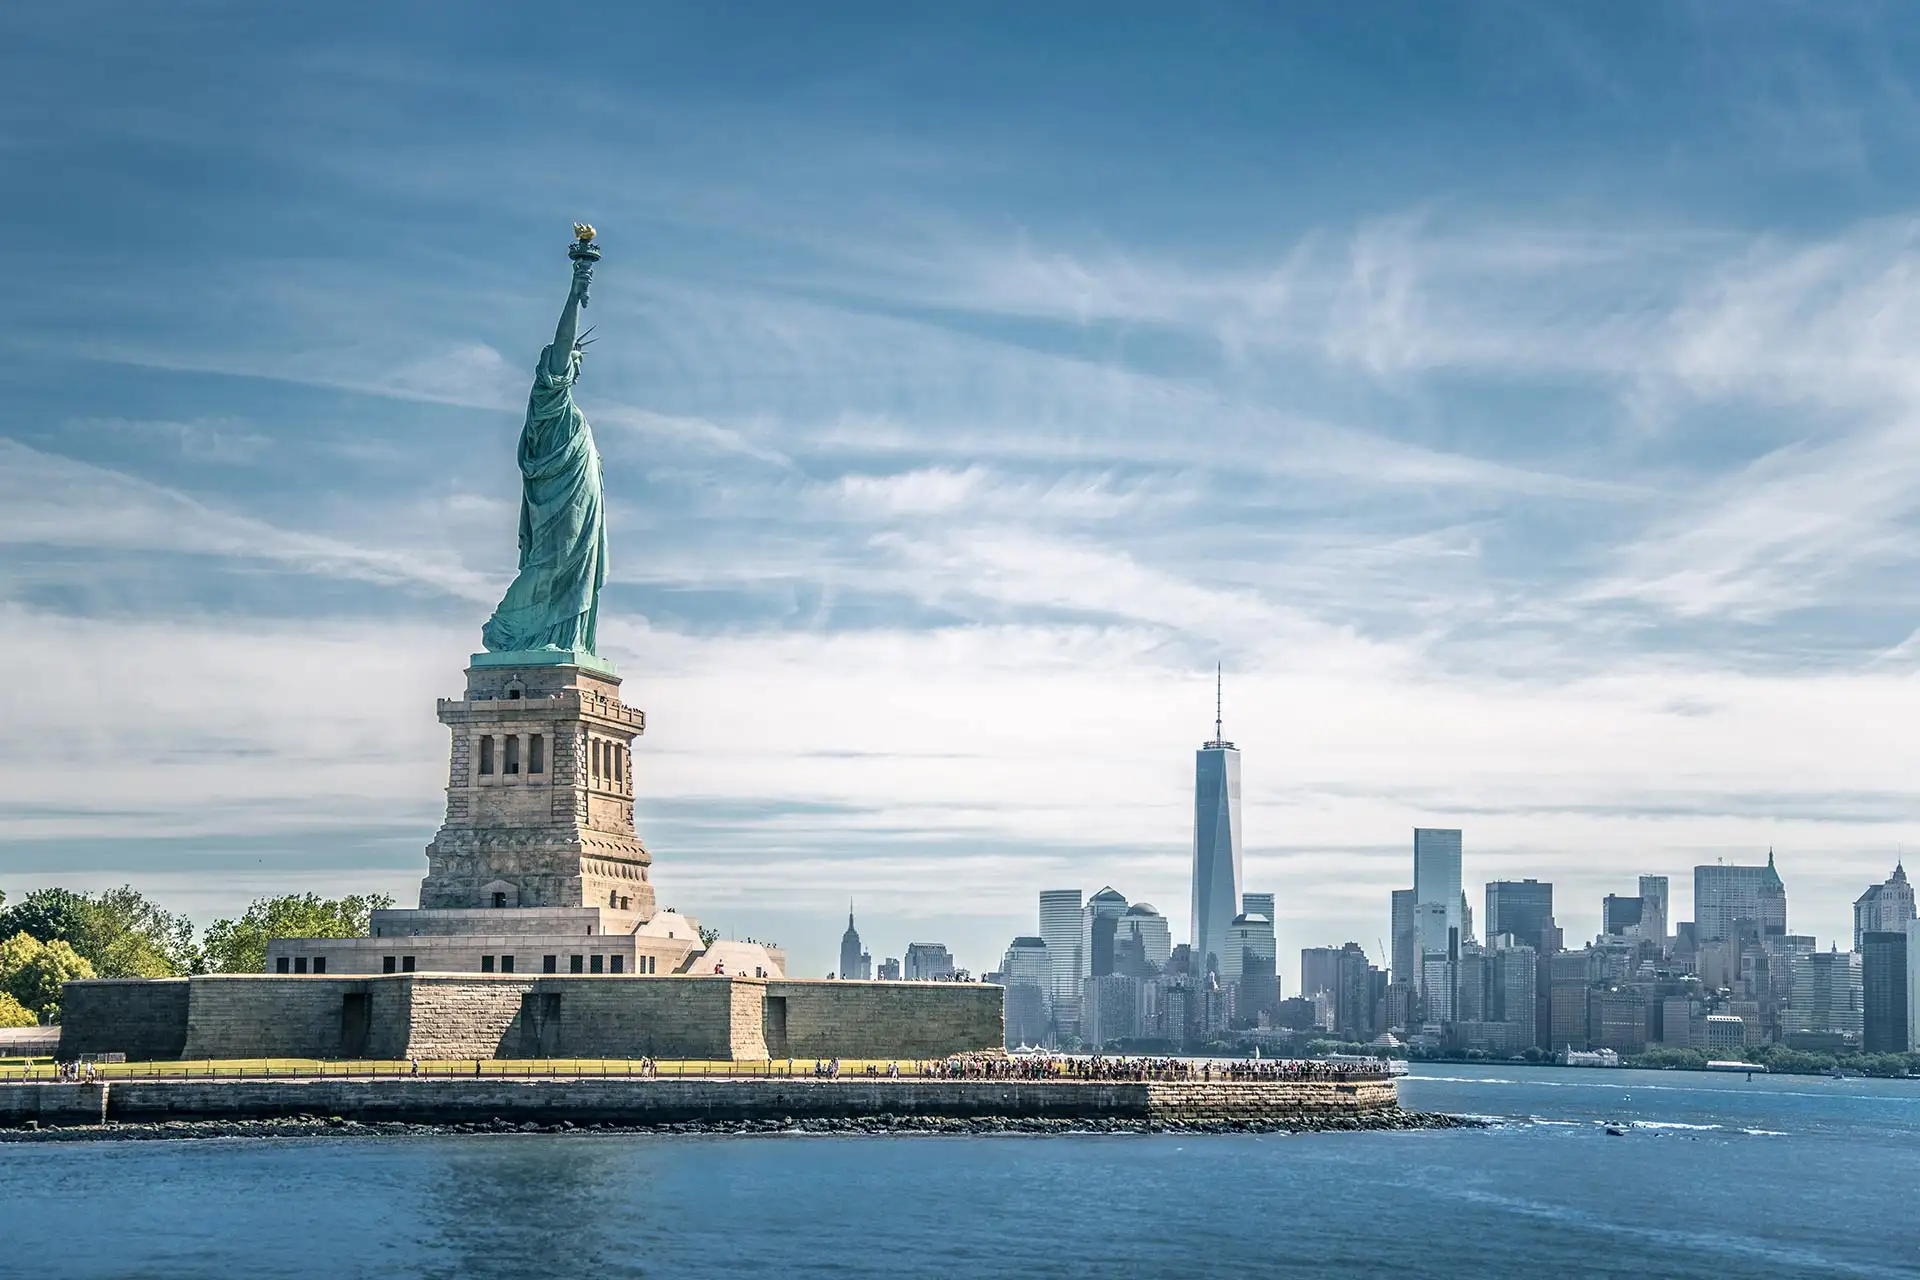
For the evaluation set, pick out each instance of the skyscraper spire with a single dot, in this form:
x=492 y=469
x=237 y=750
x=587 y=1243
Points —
x=1216 y=702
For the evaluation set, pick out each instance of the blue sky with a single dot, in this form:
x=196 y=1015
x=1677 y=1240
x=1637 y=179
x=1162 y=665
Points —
x=1519 y=402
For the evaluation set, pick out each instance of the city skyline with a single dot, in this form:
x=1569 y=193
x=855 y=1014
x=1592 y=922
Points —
x=976 y=387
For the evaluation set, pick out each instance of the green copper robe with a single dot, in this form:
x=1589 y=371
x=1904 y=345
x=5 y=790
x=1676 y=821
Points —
x=555 y=601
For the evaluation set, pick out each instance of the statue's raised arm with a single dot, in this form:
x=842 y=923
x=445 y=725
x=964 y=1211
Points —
x=554 y=602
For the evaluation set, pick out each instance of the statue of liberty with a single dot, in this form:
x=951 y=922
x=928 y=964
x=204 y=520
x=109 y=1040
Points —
x=554 y=603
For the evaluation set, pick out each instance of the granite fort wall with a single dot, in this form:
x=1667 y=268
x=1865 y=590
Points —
x=144 y=1018
x=677 y=1101
x=441 y=1016
x=889 y=1019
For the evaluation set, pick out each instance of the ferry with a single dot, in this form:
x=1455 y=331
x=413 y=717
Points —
x=1590 y=1058
x=1362 y=1062
x=1751 y=1068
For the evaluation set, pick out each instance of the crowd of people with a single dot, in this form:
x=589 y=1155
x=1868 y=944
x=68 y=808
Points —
x=982 y=1066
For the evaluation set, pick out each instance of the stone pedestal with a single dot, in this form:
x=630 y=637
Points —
x=540 y=792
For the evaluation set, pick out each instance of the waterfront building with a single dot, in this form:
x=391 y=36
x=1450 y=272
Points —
x=1512 y=979
x=1028 y=978
x=1098 y=922
x=1143 y=941
x=1216 y=846
x=1655 y=897
x=928 y=962
x=1723 y=895
x=854 y=962
x=1885 y=908
x=1828 y=994
x=1913 y=986
x=1060 y=926
x=1617 y=1019
x=1725 y=1031
x=1884 y=970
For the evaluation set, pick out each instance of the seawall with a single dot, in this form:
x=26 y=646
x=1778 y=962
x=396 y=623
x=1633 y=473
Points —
x=679 y=1101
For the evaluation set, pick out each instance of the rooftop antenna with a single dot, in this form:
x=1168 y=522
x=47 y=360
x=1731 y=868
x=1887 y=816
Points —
x=1216 y=702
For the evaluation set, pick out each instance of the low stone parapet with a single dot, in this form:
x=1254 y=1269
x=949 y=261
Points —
x=696 y=1100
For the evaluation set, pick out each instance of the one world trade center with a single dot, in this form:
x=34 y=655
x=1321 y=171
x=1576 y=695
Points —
x=1216 y=846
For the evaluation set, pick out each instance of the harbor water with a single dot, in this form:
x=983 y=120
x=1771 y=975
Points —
x=1703 y=1175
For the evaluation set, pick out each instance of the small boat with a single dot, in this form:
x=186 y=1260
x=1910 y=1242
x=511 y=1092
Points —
x=1615 y=1131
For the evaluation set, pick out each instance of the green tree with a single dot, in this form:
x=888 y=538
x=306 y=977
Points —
x=240 y=946
x=125 y=934
x=32 y=972
x=51 y=915
x=15 y=1014
x=121 y=932
x=708 y=936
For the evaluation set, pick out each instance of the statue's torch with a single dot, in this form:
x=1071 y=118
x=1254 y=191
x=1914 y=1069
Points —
x=584 y=253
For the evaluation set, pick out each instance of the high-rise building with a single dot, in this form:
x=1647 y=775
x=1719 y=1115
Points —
x=1885 y=908
x=1061 y=926
x=1250 y=965
x=854 y=963
x=1355 y=994
x=889 y=969
x=1402 y=962
x=1723 y=895
x=1884 y=996
x=1522 y=908
x=1570 y=974
x=1098 y=921
x=928 y=962
x=1319 y=970
x=1143 y=942
x=1436 y=884
x=1618 y=915
x=1827 y=994
x=1617 y=1019
x=1029 y=982
x=1512 y=977
x=1913 y=986
x=1216 y=846
x=1259 y=904
x=1655 y=895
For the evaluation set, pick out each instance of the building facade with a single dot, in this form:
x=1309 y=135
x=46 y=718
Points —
x=1724 y=895
x=1884 y=970
x=1885 y=908
x=1061 y=928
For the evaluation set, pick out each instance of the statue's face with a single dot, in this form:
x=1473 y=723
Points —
x=579 y=358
